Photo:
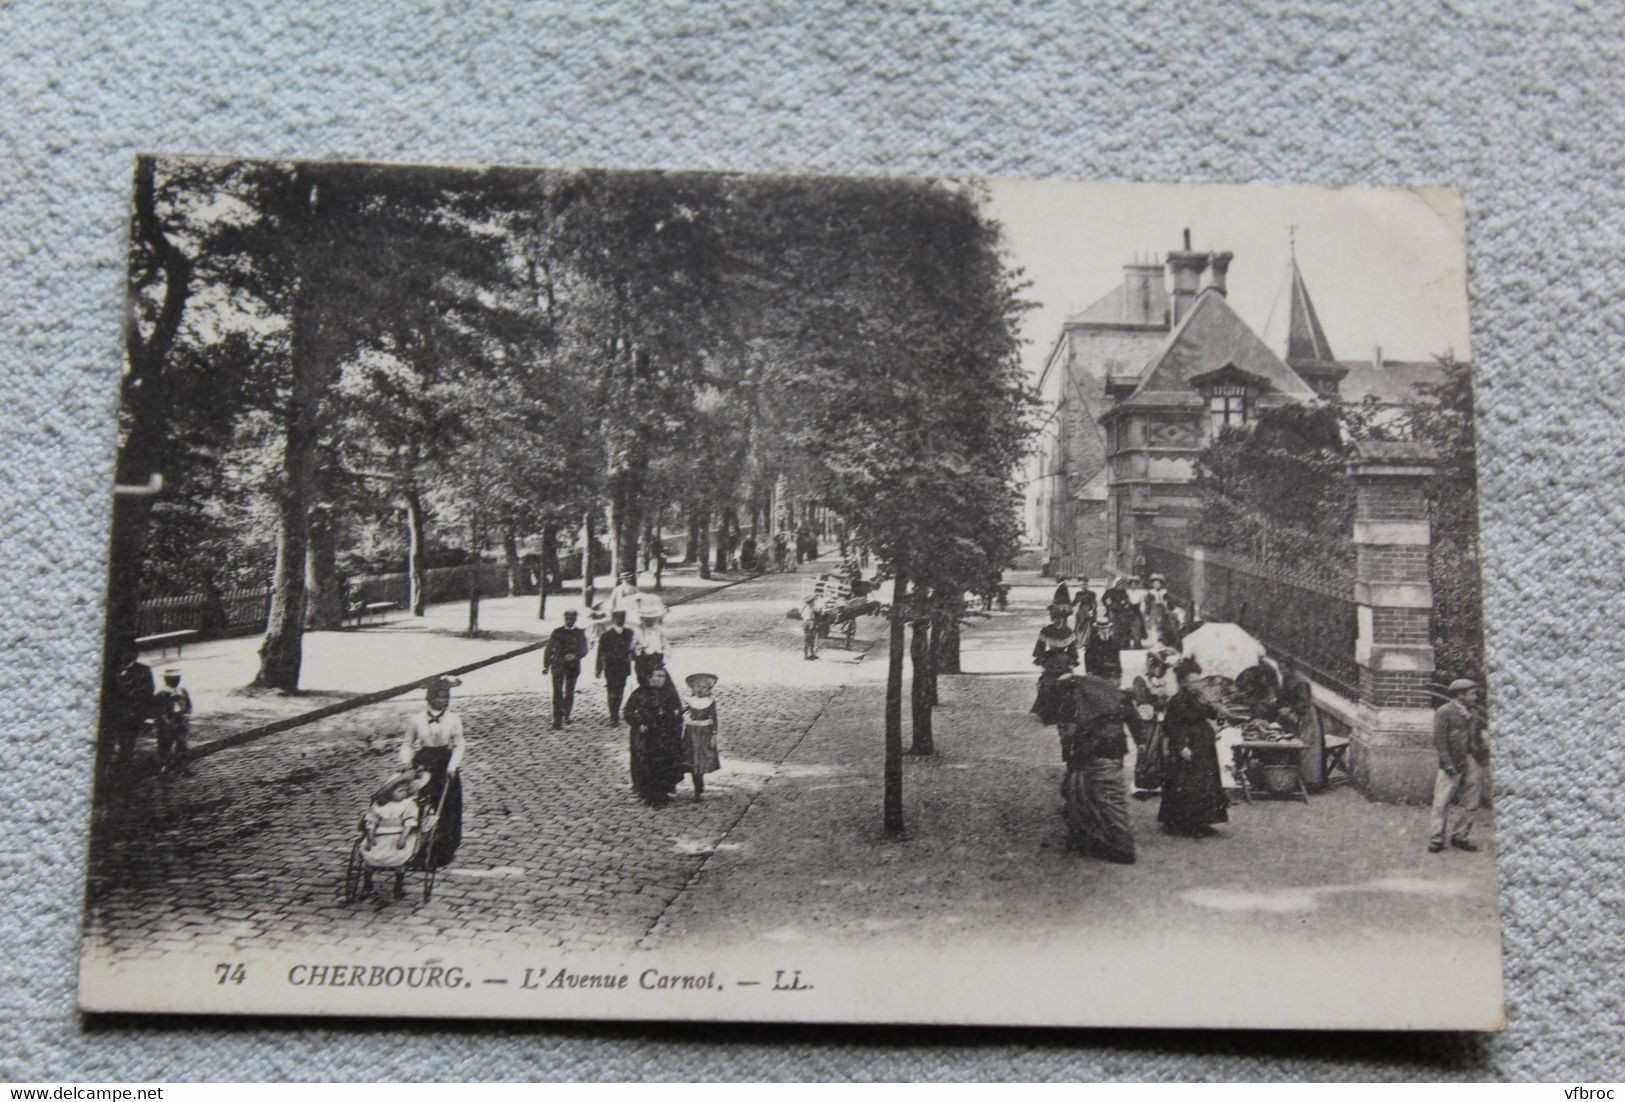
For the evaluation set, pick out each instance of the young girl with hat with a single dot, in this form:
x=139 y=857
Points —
x=700 y=730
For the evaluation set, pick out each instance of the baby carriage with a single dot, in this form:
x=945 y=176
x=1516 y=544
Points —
x=396 y=836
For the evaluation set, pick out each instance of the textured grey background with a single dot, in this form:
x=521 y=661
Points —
x=1520 y=104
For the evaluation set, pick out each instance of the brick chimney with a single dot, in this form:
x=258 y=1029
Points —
x=1185 y=270
x=1218 y=269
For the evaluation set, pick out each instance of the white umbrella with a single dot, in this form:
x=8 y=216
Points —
x=1223 y=650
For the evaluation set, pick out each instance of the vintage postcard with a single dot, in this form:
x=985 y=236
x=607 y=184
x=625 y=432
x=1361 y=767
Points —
x=583 y=594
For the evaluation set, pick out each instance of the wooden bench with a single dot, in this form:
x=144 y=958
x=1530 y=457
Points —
x=374 y=608
x=166 y=639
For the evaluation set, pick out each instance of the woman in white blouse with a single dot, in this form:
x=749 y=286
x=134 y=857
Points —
x=434 y=741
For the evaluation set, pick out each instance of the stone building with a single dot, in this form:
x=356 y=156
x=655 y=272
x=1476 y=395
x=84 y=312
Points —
x=1139 y=383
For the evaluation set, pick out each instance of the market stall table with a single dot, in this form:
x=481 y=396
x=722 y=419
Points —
x=1279 y=765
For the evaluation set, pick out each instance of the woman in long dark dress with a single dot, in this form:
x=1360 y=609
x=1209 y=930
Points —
x=1055 y=654
x=1193 y=796
x=1096 y=809
x=654 y=712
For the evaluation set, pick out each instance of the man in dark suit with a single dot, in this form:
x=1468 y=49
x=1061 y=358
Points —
x=566 y=647
x=133 y=702
x=614 y=662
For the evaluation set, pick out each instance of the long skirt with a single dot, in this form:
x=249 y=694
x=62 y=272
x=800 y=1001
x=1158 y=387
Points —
x=1192 y=794
x=700 y=748
x=1096 y=811
x=656 y=761
x=1051 y=697
x=448 y=834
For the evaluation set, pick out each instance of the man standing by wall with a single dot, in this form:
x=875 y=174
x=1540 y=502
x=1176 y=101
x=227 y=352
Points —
x=566 y=647
x=1458 y=737
x=614 y=662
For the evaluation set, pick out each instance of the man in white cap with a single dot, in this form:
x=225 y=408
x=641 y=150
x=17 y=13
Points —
x=1458 y=739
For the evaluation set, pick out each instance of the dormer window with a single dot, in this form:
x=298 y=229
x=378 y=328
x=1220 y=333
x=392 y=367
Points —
x=1229 y=393
x=1226 y=407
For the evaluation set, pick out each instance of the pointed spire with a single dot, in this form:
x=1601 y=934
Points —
x=1306 y=342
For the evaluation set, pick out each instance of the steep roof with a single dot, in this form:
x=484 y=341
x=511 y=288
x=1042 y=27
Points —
x=1107 y=308
x=1211 y=336
x=1306 y=341
x=1140 y=300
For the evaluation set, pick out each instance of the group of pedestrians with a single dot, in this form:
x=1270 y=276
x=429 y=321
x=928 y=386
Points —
x=1175 y=716
x=137 y=705
x=1172 y=720
x=669 y=737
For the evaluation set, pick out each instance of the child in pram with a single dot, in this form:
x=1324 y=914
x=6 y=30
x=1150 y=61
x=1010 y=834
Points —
x=393 y=828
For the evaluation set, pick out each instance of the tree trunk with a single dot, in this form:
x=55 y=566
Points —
x=727 y=537
x=473 y=570
x=693 y=539
x=660 y=556
x=626 y=518
x=893 y=770
x=546 y=569
x=920 y=702
x=510 y=554
x=416 y=579
x=282 y=651
x=702 y=551
x=948 y=660
x=586 y=559
x=324 y=601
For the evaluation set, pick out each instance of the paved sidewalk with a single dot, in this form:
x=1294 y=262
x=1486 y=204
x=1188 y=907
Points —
x=985 y=858
x=342 y=665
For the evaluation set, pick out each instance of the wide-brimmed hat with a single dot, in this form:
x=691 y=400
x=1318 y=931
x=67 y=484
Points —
x=1060 y=609
x=1462 y=684
x=386 y=791
x=701 y=683
x=437 y=685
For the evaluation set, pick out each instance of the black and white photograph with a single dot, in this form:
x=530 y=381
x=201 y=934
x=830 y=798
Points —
x=587 y=594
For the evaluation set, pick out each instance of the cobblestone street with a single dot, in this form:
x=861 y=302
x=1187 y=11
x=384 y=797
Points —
x=785 y=855
x=250 y=853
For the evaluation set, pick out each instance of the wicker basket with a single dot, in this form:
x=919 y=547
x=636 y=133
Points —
x=1280 y=777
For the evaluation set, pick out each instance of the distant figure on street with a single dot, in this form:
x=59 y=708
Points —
x=614 y=661
x=433 y=743
x=1093 y=746
x=809 y=628
x=1154 y=610
x=1458 y=738
x=700 y=730
x=649 y=649
x=562 y=656
x=781 y=552
x=1101 y=654
x=1193 y=796
x=654 y=716
x=132 y=702
x=624 y=597
x=1055 y=654
x=1151 y=691
x=172 y=707
x=747 y=553
x=1083 y=605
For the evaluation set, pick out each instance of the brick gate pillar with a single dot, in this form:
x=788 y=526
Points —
x=1392 y=756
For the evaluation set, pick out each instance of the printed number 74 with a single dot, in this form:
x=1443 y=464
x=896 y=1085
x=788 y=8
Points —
x=232 y=973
